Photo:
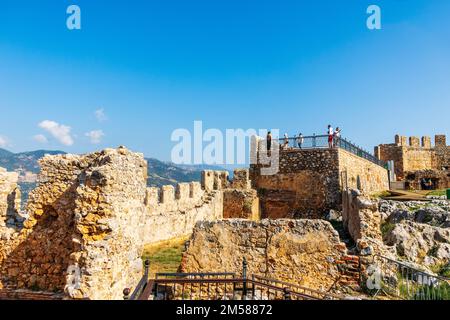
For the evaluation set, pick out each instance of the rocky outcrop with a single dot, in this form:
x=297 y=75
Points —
x=304 y=252
x=435 y=213
x=420 y=243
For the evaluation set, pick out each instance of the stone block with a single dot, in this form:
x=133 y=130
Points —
x=440 y=141
x=426 y=142
x=167 y=194
x=414 y=142
x=207 y=180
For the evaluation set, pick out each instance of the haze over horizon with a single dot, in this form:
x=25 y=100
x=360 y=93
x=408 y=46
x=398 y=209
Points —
x=135 y=73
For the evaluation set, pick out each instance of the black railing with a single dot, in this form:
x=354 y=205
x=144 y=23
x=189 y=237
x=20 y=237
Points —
x=321 y=141
x=221 y=286
x=140 y=286
x=402 y=281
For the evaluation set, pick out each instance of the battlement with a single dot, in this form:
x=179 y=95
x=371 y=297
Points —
x=173 y=198
x=440 y=141
x=415 y=155
x=424 y=142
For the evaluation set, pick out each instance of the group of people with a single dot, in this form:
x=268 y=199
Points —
x=334 y=136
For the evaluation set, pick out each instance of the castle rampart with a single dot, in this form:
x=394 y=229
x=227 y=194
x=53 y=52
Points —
x=309 y=181
x=88 y=220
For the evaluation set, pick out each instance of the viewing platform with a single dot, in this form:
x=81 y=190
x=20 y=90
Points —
x=321 y=142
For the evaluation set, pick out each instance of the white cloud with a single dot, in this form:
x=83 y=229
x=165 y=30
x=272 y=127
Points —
x=95 y=136
x=59 y=131
x=3 y=141
x=100 y=115
x=40 y=138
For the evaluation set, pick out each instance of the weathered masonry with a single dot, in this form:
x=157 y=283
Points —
x=417 y=159
x=309 y=181
x=90 y=216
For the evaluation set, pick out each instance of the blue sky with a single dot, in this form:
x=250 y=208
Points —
x=158 y=65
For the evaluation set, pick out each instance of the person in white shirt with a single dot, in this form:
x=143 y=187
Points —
x=286 y=141
x=337 y=136
x=330 y=136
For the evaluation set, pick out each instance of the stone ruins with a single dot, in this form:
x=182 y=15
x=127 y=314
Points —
x=82 y=233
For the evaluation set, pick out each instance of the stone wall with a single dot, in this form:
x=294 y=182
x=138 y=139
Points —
x=439 y=178
x=303 y=252
x=362 y=219
x=309 y=182
x=415 y=156
x=172 y=212
x=81 y=236
x=239 y=199
x=88 y=220
x=306 y=185
x=363 y=174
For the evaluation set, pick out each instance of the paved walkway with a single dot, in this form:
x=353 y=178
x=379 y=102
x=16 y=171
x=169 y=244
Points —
x=403 y=195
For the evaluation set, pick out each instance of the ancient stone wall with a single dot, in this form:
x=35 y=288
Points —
x=440 y=179
x=171 y=212
x=415 y=156
x=81 y=236
x=239 y=199
x=309 y=182
x=88 y=220
x=304 y=252
x=362 y=219
x=306 y=185
x=363 y=174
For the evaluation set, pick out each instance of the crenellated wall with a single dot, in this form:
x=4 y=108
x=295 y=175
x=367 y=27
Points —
x=418 y=154
x=171 y=212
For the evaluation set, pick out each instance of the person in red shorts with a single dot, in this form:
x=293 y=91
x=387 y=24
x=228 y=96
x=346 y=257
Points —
x=330 y=136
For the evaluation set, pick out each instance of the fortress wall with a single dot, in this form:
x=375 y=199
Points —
x=304 y=252
x=363 y=174
x=306 y=186
x=88 y=220
x=81 y=237
x=240 y=200
x=171 y=212
x=442 y=153
x=415 y=156
x=386 y=152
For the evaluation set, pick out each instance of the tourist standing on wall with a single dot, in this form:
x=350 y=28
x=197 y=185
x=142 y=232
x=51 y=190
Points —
x=286 y=141
x=330 y=136
x=300 y=140
x=269 y=142
x=337 y=136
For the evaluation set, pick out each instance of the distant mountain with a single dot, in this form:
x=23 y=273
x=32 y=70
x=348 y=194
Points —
x=159 y=172
x=24 y=161
x=163 y=173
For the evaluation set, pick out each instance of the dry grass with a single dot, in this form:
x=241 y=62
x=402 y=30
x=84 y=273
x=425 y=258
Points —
x=164 y=256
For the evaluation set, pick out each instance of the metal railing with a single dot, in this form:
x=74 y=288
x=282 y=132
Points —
x=221 y=286
x=321 y=141
x=402 y=281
